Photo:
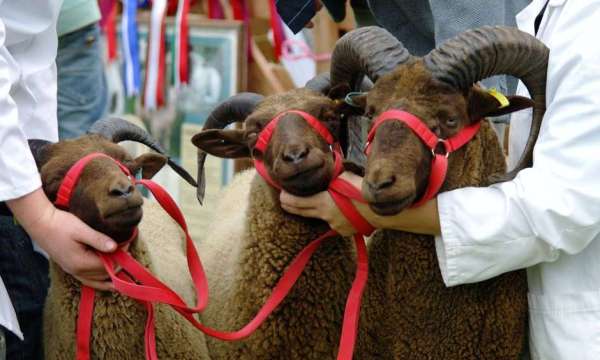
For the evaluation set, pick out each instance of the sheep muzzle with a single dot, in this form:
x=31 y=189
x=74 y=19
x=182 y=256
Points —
x=382 y=180
x=120 y=209
x=295 y=155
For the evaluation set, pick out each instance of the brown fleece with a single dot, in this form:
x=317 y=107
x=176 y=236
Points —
x=246 y=254
x=118 y=326
x=409 y=313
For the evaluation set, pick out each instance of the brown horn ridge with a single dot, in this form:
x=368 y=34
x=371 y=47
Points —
x=116 y=129
x=487 y=51
x=234 y=109
x=370 y=51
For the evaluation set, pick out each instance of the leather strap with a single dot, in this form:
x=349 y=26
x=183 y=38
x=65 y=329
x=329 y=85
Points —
x=439 y=163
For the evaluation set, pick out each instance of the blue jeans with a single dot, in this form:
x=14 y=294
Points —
x=82 y=89
x=25 y=274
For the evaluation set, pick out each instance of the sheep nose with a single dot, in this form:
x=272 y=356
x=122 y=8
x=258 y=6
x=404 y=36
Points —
x=121 y=189
x=295 y=154
x=382 y=182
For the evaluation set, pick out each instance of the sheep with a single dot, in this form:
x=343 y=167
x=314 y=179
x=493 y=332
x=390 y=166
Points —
x=119 y=321
x=246 y=253
x=418 y=317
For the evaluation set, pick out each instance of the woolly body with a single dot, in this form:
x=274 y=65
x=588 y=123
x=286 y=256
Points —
x=245 y=255
x=416 y=315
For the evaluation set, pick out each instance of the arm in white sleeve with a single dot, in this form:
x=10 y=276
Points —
x=553 y=207
x=18 y=172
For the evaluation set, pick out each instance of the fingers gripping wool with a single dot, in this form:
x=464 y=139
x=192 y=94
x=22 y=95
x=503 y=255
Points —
x=118 y=327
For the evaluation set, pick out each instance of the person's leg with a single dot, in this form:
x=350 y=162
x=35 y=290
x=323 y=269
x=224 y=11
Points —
x=82 y=89
x=25 y=274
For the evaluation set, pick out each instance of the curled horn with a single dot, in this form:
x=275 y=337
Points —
x=370 y=51
x=117 y=129
x=320 y=83
x=234 y=109
x=487 y=51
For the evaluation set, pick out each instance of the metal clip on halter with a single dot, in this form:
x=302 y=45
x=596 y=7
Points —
x=348 y=99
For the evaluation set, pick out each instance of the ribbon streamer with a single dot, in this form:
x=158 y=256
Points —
x=154 y=96
x=277 y=27
x=293 y=49
x=215 y=10
x=108 y=25
x=131 y=60
x=182 y=43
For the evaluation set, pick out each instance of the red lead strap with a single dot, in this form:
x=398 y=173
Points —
x=439 y=164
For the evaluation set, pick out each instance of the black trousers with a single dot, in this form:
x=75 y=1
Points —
x=25 y=274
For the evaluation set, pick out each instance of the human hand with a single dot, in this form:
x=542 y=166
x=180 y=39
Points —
x=66 y=239
x=321 y=206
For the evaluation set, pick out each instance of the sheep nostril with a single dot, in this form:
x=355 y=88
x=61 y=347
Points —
x=383 y=183
x=295 y=155
x=121 y=190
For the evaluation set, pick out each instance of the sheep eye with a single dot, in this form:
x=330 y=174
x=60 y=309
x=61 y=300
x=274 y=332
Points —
x=451 y=122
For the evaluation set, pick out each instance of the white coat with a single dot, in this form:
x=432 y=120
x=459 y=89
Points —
x=548 y=218
x=28 y=44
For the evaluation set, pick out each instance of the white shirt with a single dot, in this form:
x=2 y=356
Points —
x=28 y=43
x=548 y=218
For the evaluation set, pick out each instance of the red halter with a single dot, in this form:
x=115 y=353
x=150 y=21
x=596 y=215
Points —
x=138 y=283
x=439 y=164
x=267 y=133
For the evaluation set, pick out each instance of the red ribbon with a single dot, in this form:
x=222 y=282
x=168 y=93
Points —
x=182 y=40
x=109 y=28
x=278 y=33
x=215 y=10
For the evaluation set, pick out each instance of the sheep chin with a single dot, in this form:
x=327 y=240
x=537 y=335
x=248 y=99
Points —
x=308 y=182
x=388 y=208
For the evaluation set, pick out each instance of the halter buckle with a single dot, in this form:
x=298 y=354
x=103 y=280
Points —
x=445 y=146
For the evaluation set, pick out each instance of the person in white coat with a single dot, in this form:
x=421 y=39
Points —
x=28 y=43
x=548 y=218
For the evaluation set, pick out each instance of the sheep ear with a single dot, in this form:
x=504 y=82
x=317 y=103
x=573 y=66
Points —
x=150 y=163
x=228 y=143
x=483 y=103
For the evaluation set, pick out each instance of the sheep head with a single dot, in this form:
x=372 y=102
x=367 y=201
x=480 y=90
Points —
x=440 y=90
x=104 y=197
x=297 y=157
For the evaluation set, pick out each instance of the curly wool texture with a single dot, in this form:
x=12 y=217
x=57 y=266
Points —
x=246 y=254
x=416 y=315
x=118 y=326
